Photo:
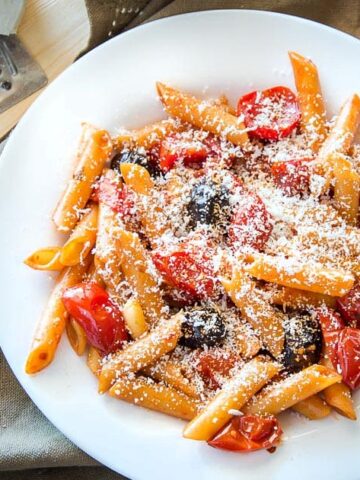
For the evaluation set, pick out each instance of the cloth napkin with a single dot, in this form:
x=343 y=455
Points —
x=30 y=447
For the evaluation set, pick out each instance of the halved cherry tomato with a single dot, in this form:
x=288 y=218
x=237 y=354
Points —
x=349 y=306
x=331 y=324
x=119 y=198
x=186 y=271
x=250 y=224
x=248 y=433
x=210 y=363
x=348 y=352
x=292 y=176
x=100 y=317
x=180 y=147
x=329 y=319
x=271 y=114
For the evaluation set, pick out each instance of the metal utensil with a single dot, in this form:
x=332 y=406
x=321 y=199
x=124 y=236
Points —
x=20 y=74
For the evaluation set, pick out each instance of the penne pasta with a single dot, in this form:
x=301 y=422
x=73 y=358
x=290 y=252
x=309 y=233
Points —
x=346 y=188
x=141 y=353
x=251 y=378
x=82 y=239
x=137 y=178
x=313 y=115
x=52 y=324
x=291 y=273
x=135 y=269
x=295 y=298
x=47 y=258
x=342 y=134
x=290 y=391
x=313 y=408
x=148 y=136
x=171 y=373
x=134 y=318
x=338 y=396
x=94 y=150
x=145 y=393
x=340 y=138
x=94 y=360
x=203 y=115
x=256 y=310
x=76 y=336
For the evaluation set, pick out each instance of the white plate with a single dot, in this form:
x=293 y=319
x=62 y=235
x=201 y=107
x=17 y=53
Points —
x=207 y=53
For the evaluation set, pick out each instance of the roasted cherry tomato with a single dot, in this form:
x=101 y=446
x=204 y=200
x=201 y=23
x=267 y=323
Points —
x=180 y=147
x=331 y=324
x=211 y=363
x=292 y=176
x=349 y=306
x=186 y=271
x=250 y=223
x=99 y=316
x=329 y=320
x=248 y=433
x=271 y=114
x=119 y=198
x=348 y=351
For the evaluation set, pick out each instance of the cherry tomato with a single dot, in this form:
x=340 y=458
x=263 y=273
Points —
x=210 y=363
x=329 y=320
x=271 y=114
x=292 y=176
x=100 y=317
x=119 y=198
x=349 y=306
x=331 y=324
x=250 y=224
x=348 y=351
x=187 y=272
x=248 y=433
x=182 y=148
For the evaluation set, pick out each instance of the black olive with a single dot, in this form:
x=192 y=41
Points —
x=202 y=326
x=302 y=345
x=134 y=156
x=208 y=203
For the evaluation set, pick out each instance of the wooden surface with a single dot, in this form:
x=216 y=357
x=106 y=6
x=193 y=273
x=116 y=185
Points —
x=54 y=32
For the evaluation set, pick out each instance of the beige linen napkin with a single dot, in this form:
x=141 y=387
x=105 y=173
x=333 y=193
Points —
x=27 y=439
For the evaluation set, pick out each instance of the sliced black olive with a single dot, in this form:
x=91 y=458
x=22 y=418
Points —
x=134 y=156
x=208 y=203
x=202 y=326
x=302 y=345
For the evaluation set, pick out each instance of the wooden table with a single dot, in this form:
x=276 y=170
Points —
x=54 y=32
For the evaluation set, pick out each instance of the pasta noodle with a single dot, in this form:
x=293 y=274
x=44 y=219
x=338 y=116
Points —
x=144 y=393
x=254 y=375
x=313 y=116
x=202 y=115
x=53 y=320
x=94 y=150
x=141 y=353
x=290 y=391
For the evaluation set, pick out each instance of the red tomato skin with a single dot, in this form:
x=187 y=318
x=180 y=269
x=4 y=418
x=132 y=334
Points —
x=248 y=433
x=329 y=319
x=348 y=352
x=174 y=149
x=349 y=307
x=250 y=224
x=210 y=363
x=182 y=270
x=331 y=324
x=292 y=176
x=250 y=106
x=100 y=317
